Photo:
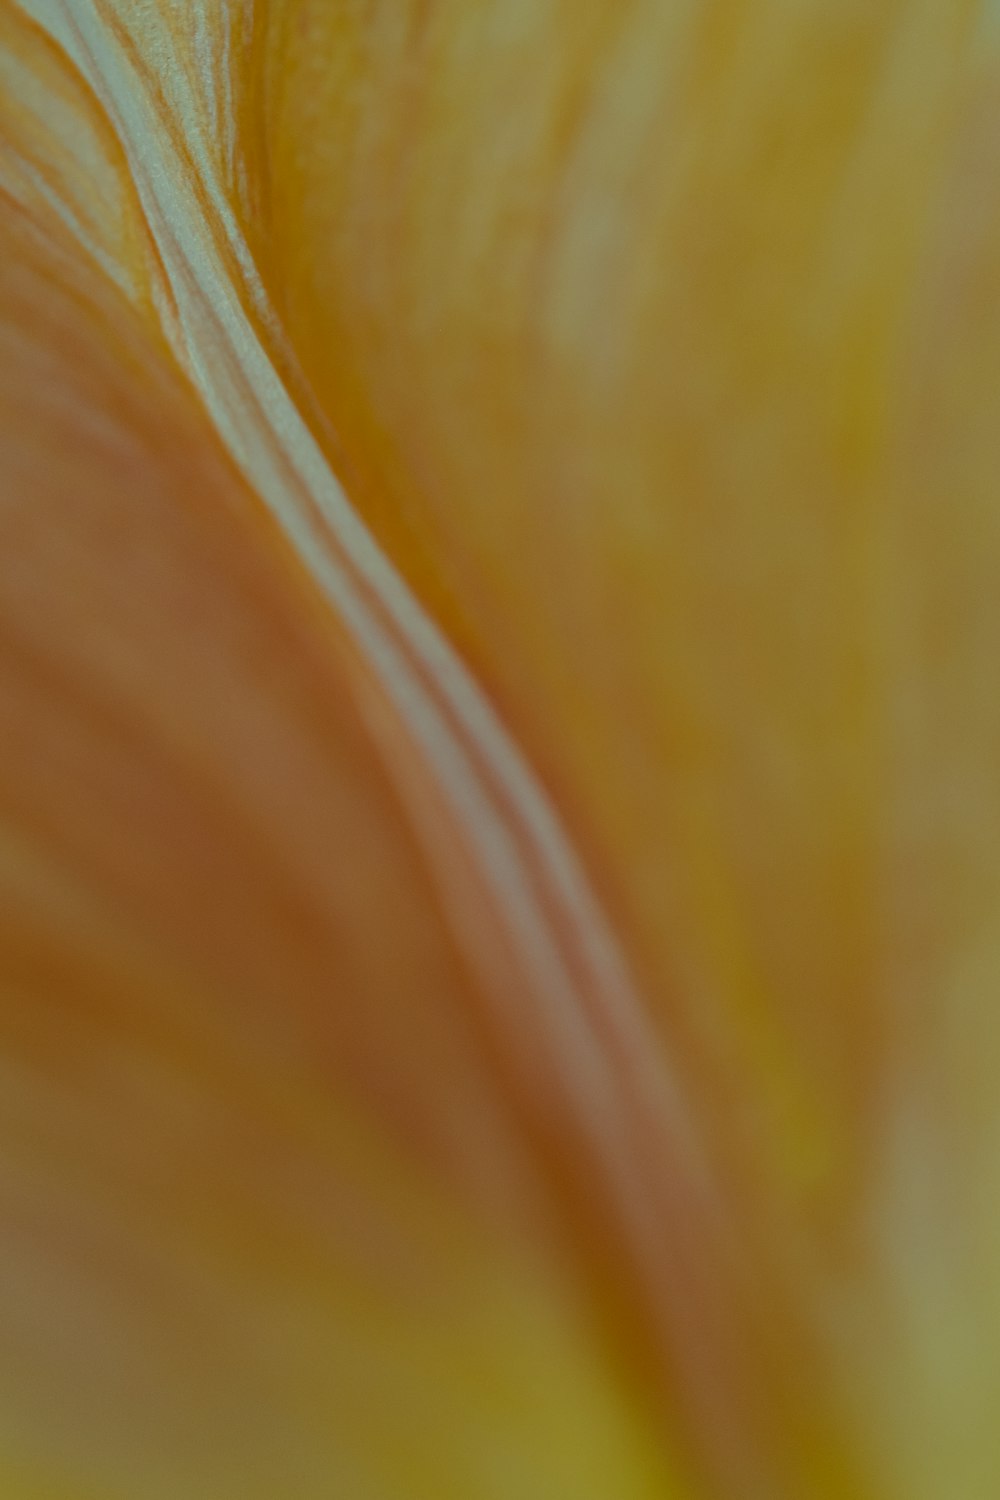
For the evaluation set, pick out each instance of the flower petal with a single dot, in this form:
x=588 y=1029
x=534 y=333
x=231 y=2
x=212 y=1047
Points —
x=643 y=358
x=269 y=1219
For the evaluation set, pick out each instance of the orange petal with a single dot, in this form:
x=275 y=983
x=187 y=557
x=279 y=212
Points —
x=279 y=1210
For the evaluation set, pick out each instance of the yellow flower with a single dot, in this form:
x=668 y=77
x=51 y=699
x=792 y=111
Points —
x=499 y=753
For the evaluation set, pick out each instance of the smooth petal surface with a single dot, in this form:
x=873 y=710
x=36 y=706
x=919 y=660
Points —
x=658 y=341
x=276 y=1216
x=645 y=353
x=616 y=375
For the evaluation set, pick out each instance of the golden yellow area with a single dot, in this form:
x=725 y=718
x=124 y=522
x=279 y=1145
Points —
x=619 y=313
x=658 y=344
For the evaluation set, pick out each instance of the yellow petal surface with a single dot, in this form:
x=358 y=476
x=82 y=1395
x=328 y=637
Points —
x=498 y=754
x=659 y=343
